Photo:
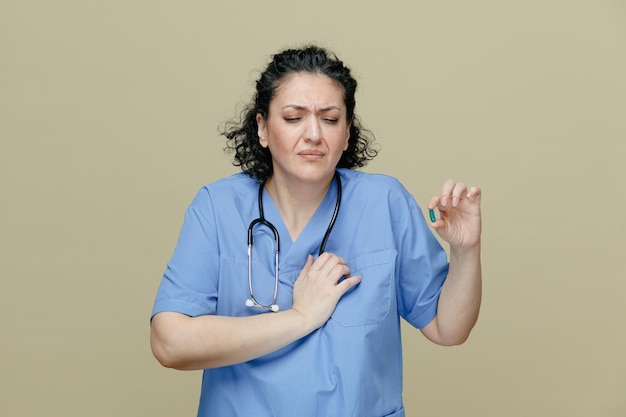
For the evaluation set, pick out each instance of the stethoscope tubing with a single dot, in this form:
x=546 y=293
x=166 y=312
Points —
x=252 y=301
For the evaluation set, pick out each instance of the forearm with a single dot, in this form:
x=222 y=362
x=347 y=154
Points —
x=182 y=342
x=459 y=302
x=190 y=343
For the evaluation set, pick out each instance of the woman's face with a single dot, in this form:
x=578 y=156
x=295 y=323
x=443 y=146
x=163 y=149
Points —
x=306 y=129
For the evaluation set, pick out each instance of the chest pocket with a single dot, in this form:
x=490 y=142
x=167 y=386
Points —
x=369 y=301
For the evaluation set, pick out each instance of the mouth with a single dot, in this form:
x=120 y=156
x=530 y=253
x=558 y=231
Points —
x=310 y=153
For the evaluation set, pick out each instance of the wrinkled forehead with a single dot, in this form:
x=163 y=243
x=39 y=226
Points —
x=305 y=78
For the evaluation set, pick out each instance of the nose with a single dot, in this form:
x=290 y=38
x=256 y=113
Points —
x=313 y=131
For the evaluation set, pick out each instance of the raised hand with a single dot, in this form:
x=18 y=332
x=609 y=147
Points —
x=460 y=219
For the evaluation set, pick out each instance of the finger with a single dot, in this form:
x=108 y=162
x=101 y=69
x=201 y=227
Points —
x=327 y=262
x=334 y=272
x=348 y=283
x=459 y=190
x=433 y=202
x=307 y=267
x=446 y=193
x=321 y=261
x=339 y=272
x=308 y=263
x=439 y=223
x=474 y=193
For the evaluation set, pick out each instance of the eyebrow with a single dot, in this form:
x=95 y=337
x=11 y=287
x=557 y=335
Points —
x=298 y=107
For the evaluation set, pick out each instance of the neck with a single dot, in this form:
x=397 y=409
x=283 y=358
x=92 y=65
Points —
x=297 y=203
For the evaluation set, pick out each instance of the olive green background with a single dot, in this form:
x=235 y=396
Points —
x=108 y=126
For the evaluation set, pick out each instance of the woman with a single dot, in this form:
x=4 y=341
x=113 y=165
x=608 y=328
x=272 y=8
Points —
x=312 y=329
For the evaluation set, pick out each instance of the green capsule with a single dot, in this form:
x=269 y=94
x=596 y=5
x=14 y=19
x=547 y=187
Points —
x=431 y=213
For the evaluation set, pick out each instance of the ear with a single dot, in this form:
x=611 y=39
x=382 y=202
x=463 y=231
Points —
x=261 y=130
x=345 y=148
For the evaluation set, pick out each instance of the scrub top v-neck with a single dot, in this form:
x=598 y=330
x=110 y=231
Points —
x=319 y=222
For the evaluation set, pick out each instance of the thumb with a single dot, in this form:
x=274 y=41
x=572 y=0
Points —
x=309 y=262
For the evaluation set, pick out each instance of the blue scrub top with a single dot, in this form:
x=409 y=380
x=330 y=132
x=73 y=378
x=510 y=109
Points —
x=351 y=366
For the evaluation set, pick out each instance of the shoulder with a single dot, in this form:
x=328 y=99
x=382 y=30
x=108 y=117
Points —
x=371 y=183
x=231 y=185
x=227 y=189
x=377 y=190
x=233 y=182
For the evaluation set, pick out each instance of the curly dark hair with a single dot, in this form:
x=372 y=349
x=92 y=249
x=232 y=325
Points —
x=242 y=136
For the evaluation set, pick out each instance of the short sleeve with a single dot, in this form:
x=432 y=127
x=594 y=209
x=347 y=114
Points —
x=422 y=264
x=189 y=283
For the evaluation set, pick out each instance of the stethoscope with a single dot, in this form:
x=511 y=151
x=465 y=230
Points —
x=252 y=301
